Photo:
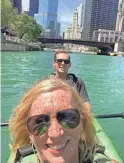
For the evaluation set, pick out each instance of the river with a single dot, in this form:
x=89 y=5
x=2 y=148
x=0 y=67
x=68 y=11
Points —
x=103 y=76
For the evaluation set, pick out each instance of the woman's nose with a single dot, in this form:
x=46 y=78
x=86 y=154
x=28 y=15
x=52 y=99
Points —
x=55 y=130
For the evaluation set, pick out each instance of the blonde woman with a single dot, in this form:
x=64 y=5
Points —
x=52 y=117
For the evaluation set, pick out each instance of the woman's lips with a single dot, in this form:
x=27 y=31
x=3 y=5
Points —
x=56 y=148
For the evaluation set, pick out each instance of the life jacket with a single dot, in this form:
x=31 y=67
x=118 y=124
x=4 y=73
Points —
x=72 y=80
x=25 y=153
x=76 y=80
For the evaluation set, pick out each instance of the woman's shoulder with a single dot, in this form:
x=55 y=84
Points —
x=101 y=158
x=98 y=158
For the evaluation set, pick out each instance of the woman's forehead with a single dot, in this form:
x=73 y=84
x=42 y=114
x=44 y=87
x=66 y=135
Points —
x=51 y=102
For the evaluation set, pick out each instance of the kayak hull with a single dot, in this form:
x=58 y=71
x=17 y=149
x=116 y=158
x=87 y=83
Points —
x=104 y=140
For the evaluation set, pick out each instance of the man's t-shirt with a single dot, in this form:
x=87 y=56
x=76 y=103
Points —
x=78 y=84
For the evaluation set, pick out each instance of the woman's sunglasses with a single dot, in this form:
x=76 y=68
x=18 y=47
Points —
x=39 y=124
x=66 y=61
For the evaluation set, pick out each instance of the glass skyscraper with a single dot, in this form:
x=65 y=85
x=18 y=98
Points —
x=99 y=14
x=47 y=13
x=17 y=4
x=33 y=7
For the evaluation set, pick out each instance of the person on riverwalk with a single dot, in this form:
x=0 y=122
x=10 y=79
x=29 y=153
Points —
x=62 y=63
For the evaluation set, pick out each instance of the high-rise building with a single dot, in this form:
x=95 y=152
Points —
x=47 y=13
x=81 y=12
x=58 y=25
x=120 y=17
x=33 y=7
x=17 y=4
x=99 y=14
x=73 y=32
x=47 y=16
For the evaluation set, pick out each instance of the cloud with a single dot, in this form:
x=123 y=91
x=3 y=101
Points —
x=66 y=19
x=25 y=5
x=63 y=25
x=65 y=15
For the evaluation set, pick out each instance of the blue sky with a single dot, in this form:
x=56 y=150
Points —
x=65 y=11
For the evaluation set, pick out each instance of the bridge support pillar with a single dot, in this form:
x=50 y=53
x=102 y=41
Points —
x=119 y=47
x=103 y=51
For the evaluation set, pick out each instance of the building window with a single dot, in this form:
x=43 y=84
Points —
x=116 y=38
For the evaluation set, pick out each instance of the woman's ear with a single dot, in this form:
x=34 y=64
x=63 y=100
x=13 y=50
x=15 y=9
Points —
x=32 y=144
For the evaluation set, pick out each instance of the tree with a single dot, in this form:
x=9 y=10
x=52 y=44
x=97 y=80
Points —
x=7 y=12
x=26 y=27
x=94 y=49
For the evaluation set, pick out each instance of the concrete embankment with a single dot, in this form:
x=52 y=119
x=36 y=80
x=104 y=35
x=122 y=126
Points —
x=10 y=45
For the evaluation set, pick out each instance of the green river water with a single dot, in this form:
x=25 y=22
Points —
x=103 y=76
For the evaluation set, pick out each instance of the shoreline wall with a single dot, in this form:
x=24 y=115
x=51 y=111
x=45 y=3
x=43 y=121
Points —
x=12 y=46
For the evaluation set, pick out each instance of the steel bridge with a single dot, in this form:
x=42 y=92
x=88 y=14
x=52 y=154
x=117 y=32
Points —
x=104 y=47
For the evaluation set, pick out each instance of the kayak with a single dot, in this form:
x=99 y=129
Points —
x=104 y=142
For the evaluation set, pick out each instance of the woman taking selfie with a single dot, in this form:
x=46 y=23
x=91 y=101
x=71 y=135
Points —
x=52 y=118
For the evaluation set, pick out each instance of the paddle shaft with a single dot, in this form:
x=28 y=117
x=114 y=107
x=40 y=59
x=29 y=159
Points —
x=4 y=124
x=110 y=115
x=121 y=115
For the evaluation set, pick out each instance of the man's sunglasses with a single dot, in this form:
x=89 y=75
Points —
x=39 y=124
x=66 y=61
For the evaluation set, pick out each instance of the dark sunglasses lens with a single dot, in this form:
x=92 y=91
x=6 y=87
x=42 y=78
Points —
x=59 y=60
x=69 y=119
x=38 y=125
x=65 y=61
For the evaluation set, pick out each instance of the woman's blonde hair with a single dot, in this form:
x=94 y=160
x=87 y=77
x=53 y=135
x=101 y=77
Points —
x=17 y=123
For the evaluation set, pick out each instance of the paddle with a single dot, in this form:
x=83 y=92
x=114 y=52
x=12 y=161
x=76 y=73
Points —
x=121 y=115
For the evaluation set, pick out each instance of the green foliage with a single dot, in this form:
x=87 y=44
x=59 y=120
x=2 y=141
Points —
x=7 y=12
x=24 y=26
x=94 y=49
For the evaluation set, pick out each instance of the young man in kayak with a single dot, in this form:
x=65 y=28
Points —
x=62 y=63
